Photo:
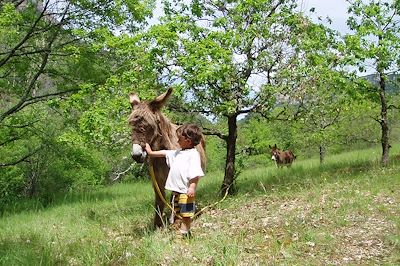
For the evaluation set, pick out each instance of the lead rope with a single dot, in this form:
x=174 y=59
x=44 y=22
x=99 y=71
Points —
x=153 y=179
x=155 y=184
x=172 y=217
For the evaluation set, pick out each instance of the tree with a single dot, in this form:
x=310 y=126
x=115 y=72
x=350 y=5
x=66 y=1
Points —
x=375 y=42
x=51 y=51
x=230 y=58
x=322 y=93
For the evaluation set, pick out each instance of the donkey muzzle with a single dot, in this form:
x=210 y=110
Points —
x=138 y=154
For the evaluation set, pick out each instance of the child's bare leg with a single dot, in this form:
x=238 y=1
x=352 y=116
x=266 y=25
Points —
x=185 y=226
x=177 y=223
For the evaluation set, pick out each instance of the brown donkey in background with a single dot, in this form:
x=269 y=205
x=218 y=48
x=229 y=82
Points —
x=282 y=158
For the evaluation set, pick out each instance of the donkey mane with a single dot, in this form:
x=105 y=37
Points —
x=167 y=132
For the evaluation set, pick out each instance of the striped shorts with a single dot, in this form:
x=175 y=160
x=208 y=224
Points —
x=183 y=205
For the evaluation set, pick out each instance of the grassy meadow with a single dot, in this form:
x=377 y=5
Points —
x=345 y=212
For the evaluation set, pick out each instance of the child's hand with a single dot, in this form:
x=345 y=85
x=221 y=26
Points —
x=148 y=148
x=191 y=192
x=151 y=153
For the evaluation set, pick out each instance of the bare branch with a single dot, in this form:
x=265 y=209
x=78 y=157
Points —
x=120 y=174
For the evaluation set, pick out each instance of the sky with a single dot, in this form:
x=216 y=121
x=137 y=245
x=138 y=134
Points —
x=335 y=9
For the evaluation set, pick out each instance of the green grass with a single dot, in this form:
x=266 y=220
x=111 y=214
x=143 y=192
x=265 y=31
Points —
x=346 y=211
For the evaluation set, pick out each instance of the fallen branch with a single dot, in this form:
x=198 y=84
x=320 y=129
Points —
x=118 y=175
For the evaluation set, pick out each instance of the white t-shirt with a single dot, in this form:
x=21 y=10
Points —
x=184 y=165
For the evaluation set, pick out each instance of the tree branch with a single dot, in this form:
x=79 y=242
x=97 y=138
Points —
x=118 y=175
x=9 y=140
x=44 y=98
x=211 y=132
x=393 y=107
x=33 y=81
x=27 y=36
x=21 y=159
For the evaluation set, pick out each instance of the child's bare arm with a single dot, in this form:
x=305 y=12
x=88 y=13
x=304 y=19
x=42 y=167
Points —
x=152 y=153
x=192 y=186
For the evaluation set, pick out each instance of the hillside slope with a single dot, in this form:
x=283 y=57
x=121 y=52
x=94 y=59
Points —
x=343 y=213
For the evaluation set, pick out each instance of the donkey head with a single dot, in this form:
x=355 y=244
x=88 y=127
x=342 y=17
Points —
x=148 y=124
x=274 y=152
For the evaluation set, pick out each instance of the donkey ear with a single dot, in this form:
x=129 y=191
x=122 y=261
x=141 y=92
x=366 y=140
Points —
x=275 y=146
x=269 y=146
x=134 y=99
x=160 y=101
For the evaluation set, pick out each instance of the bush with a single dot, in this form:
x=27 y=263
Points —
x=72 y=168
x=12 y=182
x=58 y=168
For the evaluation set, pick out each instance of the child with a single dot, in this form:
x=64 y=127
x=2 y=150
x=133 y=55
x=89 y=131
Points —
x=184 y=172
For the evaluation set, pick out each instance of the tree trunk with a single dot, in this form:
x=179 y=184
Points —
x=31 y=185
x=229 y=177
x=384 y=121
x=321 y=154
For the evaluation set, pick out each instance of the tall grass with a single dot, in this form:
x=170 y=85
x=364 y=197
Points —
x=295 y=216
x=76 y=227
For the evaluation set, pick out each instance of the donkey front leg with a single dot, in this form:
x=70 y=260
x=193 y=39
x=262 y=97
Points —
x=159 y=178
x=159 y=210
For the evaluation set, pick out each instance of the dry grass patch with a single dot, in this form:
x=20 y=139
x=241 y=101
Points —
x=320 y=226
